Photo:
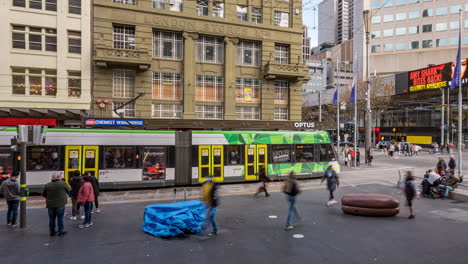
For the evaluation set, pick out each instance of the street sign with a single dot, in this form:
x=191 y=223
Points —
x=113 y=122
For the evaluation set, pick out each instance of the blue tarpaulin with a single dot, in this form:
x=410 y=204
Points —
x=166 y=220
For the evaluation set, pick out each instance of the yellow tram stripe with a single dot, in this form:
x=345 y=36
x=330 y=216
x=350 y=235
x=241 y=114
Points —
x=23 y=185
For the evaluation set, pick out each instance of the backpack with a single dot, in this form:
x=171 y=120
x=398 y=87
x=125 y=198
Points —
x=409 y=189
x=291 y=188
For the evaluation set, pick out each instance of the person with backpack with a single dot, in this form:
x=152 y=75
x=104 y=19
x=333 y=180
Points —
x=411 y=191
x=210 y=197
x=291 y=189
x=263 y=178
x=11 y=191
x=75 y=183
x=86 y=196
x=332 y=182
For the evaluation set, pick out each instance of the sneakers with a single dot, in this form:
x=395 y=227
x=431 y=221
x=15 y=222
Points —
x=13 y=225
x=85 y=225
x=98 y=210
x=73 y=218
x=411 y=217
x=289 y=227
x=9 y=224
x=82 y=217
x=213 y=234
x=62 y=233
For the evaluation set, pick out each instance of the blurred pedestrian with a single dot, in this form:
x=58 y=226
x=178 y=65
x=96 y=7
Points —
x=358 y=157
x=291 y=189
x=391 y=150
x=86 y=197
x=332 y=183
x=263 y=178
x=452 y=164
x=370 y=156
x=56 y=193
x=95 y=183
x=210 y=197
x=75 y=183
x=10 y=189
x=352 y=154
x=411 y=191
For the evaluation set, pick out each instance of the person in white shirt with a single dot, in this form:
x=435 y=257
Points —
x=433 y=177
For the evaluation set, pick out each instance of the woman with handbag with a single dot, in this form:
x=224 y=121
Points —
x=263 y=178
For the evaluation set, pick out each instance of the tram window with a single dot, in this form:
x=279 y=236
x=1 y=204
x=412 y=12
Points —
x=6 y=162
x=154 y=163
x=280 y=153
x=43 y=158
x=233 y=154
x=119 y=157
x=326 y=152
x=305 y=153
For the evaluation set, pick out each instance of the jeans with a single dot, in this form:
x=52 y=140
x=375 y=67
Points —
x=56 y=213
x=75 y=206
x=88 y=207
x=292 y=209
x=446 y=189
x=211 y=216
x=12 y=213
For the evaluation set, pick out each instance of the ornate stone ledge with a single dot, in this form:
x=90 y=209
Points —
x=285 y=71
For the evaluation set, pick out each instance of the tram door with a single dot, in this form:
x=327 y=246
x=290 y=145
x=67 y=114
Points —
x=82 y=159
x=255 y=157
x=210 y=162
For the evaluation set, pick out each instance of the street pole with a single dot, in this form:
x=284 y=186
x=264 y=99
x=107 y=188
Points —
x=320 y=106
x=460 y=104
x=442 y=117
x=449 y=126
x=367 y=18
x=23 y=184
x=337 y=110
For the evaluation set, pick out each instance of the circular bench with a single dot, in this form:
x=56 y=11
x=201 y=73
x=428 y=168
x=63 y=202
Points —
x=370 y=204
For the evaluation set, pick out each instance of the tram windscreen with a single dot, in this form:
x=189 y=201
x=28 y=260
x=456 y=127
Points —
x=326 y=153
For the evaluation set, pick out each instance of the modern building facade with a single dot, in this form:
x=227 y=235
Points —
x=196 y=63
x=45 y=59
x=305 y=44
x=335 y=19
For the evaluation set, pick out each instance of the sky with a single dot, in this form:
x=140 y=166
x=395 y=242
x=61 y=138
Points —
x=309 y=18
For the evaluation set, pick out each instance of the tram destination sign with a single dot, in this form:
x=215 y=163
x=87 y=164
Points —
x=113 y=122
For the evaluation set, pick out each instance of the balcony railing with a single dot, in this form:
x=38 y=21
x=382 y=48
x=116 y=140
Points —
x=285 y=71
x=109 y=56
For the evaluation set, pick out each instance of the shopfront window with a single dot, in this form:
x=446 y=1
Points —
x=234 y=155
x=154 y=163
x=119 y=157
x=281 y=153
x=43 y=158
x=305 y=153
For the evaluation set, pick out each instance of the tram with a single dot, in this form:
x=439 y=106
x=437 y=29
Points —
x=129 y=159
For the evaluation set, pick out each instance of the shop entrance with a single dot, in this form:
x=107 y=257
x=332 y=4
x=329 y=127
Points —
x=82 y=159
x=255 y=157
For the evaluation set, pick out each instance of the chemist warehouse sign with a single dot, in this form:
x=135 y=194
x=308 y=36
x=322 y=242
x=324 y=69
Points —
x=113 y=122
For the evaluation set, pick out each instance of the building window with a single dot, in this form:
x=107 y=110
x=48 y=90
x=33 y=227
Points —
x=202 y=7
x=242 y=12
x=376 y=19
x=247 y=113
x=427 y=28
x=247 y=90
x=414 y=45
x=400 y=46
x=127 y=111
x=388 y=18
x=160 y=4
x=454 y=24
x=218 y=9
x=388 y=3
x=375 y=49
x=128 y=2
x=74 y=84
x=455 y=9
x=248 y=53
x=167 y=45
x=74 y=42
x=466 y=23
x=34 y=82
x=400 y=16
x=281 y=19
x=209 y=88
x=281 y=113
x=74 y=7
x=400 y=31
x=413 y=1
x=453 y=41
x=19 y=3
x=413 y=30
x=33 y=38
x=376 y=34
x=400 y=2
x=441 y=26
x=427 y=12
x=440 y=11
x=414 y=14
x=441 y=42
x=124 y=37
x=281 y=92
x=172 y=111
x=210 y=49
x=257 y=14
x=388 y=47
x=388 y=32
x=123 y=83
x=376 y=4
x=176 y=5
x=281 y=54
x=209 y=111
x=167 y=86
x=427 y=43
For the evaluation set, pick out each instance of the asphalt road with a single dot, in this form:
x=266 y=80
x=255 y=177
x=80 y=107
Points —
x=438 y=234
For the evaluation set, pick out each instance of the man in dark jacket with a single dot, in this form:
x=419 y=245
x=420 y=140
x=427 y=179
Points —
x=441 y=165
x=11 y=190
x=75 y=183
x=452 y=164
x=95 y=183
x=56 y=193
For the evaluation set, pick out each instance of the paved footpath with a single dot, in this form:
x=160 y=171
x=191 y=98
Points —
x=248 y=234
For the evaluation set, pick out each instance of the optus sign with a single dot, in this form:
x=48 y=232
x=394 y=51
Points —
x=304 y=125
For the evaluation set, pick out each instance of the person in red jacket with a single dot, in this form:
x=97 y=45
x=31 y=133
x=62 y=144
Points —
x=86 y=197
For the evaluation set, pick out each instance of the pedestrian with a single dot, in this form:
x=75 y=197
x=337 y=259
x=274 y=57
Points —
x=391 y=150
x=352 y=154
x=358 y=158
x=447 y=146
x=95 y=183
x=86 y=197
x=291 y=189
x=263 y=178
x=11 y=191
x=345 y=152
x=411 y=191
x=452 y=164
x=332 y=183
x=370 y=156
x=441 y=165
x=56 y=193
x=448 y=184
x=210 y=197
x=75 y=183
x=385 y=149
